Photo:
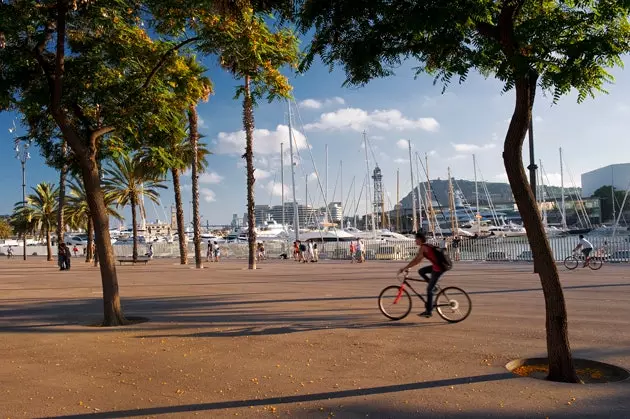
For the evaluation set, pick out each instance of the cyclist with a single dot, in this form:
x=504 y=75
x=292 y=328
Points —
x=436 y=270
x=586 y=247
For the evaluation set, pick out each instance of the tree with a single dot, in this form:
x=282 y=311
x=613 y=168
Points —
x=77 y=214
x=128 y=180
x=63 y=172
x=605 y=196
x=180 y=151
x=252 y=53
x=41 y=211
x=556 y=45
x=92 y=69
x=194 y=141
x=6 y=230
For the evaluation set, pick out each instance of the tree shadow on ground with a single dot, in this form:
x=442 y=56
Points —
x=569 y=287
x=229 y=314
x=332 y=395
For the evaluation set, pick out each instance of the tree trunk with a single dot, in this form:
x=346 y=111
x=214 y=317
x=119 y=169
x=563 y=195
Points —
x=112 y=310
x=134 y=228
x=561 y=367
x=179 y=209
x=194 y=137
x=90 y=240
x=248 y=124
x=48 y=246
x=62 y=195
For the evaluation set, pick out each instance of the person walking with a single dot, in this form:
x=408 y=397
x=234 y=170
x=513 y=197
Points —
x=353 y=251
x=360 y=251
x=75 y=250
x=61 y=256
x=217 y=251
x=9 y=252
x=315 y=253
x=210 y=252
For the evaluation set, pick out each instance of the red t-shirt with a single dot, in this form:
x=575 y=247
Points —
x=429 y=253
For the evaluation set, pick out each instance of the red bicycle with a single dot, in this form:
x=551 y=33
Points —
x=451 y=303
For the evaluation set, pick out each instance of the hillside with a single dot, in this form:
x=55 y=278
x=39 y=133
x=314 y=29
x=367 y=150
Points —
x=500 y=193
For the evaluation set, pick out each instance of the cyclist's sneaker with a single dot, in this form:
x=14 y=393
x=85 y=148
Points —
x=425 y=314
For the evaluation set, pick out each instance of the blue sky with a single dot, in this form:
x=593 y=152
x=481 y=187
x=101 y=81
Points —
x=469 y=118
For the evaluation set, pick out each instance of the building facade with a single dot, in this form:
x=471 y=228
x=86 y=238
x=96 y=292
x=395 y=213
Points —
x=617 y=175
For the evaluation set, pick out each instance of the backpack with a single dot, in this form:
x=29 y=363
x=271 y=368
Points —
x=443 y=259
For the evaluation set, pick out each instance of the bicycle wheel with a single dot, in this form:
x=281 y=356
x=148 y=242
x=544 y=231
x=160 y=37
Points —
x=394 y=302
x=453 y=304
x=595 y=264
x=571 y=262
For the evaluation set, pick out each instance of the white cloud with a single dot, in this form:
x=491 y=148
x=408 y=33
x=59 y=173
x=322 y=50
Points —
x=207 y=195
x=186 y=187
x=201 y=123
x=318 y=104
x=400 y=160
x=275 y=188
x=265 y=141
x=538 y=118
x=212 y=178
x=261 y=174
x=467 y=148
x=359 y=120
x=403 y=144
x=458 y=157
x=312 y=177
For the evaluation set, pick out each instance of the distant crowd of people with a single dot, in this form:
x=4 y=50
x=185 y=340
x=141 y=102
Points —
x=305 y=251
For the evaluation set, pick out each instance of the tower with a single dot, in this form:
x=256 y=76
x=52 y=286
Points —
x=378 y=195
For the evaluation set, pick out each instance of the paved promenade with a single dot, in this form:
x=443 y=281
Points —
x=302 y=341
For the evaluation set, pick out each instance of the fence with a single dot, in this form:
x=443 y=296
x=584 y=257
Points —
x=615 y=249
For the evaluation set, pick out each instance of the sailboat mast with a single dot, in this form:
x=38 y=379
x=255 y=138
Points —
x=413 y=195
x=282 y=180
x=429 y=197
x=296 y=218
x=477 y=214
x=326 y=190
x=341 y=195
x=398 y=200
x=563 y=212
x=369 y=190
x=419 y=194
x=451 y=204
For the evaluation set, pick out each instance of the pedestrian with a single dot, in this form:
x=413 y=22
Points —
x=353 y=250
x=315 y=252
x=360 y=251
x=9 y=252
x=217 y=251
x=149 y=253
x=455 y=245
x=296 y=251
x=311 y=252
x=61 y=256
x=75 y=250
x=67 y=257
x=210 y=252
x=302 y=252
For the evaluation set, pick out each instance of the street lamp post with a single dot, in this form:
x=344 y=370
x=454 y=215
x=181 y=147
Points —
x=22 y=154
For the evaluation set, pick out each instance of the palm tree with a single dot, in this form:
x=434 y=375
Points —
x=77 y=214
x=41 y=211
x=129 y=180
x=180 y=152
x=251 y=52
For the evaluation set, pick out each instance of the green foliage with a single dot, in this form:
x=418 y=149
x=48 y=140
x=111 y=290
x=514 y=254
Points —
x=246 y=47
x=40 y=213
x=115 y=74
x=565 y=44
x=6 y=230
x=77 y=210
x=127 y=180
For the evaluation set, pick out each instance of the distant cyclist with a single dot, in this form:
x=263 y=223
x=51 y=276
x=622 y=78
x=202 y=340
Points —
x=586 y=247
x=436 y=270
